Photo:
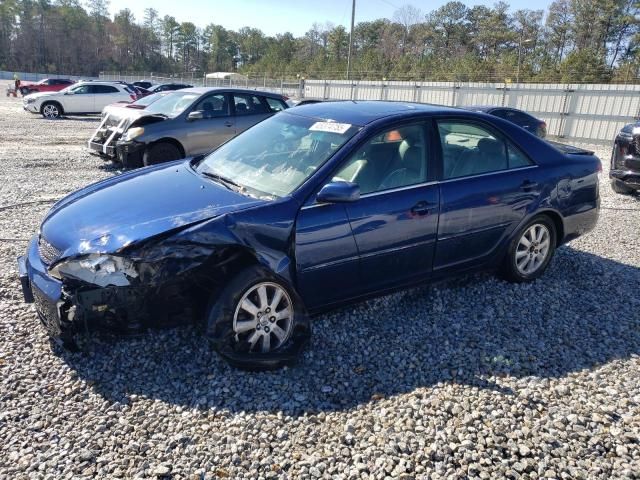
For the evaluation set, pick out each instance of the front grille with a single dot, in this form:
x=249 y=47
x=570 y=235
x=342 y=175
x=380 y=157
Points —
x=47 y=312
x=48 y=253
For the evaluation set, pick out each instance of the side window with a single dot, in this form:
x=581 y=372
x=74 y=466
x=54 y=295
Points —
x=395 y=158
x=103 y=89
x=213 y=106
x=248 y=105
x=469 y=149
x=82 y=89
x=275 y=105
x=516 y=157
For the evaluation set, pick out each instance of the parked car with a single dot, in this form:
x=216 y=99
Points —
x=625 y=160
x=318 y=206
x=183 y=123
x=140 y=92
x=45 y=85
x=143 y=84
x=168 y=87
x=523 y=119
x=80 y=98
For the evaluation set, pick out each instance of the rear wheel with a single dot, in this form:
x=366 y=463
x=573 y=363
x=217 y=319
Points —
x=530 y=251
x=51 y=110
x=160 y=153
x=24 y=91
x=619 y=187
x=257 y=321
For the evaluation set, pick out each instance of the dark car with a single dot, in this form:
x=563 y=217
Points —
x=522 y=119
x=166 y=87
x=625 y=160
x=143 y=84
x=184 y=123
x=318 y=206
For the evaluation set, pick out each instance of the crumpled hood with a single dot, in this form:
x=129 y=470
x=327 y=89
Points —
x=115 y=213
x=118 y=111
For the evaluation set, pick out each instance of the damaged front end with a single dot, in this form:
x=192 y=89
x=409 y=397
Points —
x=154 y=286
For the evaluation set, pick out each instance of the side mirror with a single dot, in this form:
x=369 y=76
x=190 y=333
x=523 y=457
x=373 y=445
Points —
x=195 y=116
x=339 y=192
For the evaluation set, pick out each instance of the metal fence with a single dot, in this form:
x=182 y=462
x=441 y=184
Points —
x=577 y=112
x=591 y=113
x=283 y=86
x=34 y=77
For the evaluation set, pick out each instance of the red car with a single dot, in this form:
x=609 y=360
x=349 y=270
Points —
x=45 y=85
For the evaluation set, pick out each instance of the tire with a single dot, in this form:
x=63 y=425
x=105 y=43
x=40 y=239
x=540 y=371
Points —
x=51 y=110
x=243 y=328
x=160 y=153
x=527 y=263
x=619 y=187
x=24 y=91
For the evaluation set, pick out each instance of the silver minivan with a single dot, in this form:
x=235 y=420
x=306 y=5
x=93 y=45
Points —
x=181 y=124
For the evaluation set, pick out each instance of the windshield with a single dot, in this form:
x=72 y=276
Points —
x=148 y=100
x=173 y=104
x=277 y=155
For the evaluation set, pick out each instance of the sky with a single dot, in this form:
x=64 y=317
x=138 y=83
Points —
x=279 y=16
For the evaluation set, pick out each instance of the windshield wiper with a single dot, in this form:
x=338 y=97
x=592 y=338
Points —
x=227 y=182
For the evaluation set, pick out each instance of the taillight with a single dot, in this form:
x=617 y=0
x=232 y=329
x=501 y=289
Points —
x=133 y=97
x=285 y=98
x=599 y=168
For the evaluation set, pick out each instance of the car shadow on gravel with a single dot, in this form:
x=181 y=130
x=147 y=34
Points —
x=477 y=331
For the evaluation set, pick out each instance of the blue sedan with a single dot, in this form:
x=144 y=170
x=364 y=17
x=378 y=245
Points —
x=317 y=207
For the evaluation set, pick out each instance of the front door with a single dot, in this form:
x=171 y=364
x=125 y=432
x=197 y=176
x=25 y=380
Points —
x=79 y=100
x=216 y=126
x=395 y=221
x=487 y=187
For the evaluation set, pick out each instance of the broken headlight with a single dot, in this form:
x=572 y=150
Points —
x=97 y=269
x=132 y=133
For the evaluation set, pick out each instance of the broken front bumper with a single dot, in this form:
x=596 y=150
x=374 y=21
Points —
x=64 y=312
x=630 y=178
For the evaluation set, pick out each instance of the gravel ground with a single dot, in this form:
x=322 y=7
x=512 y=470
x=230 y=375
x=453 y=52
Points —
x=476 y=378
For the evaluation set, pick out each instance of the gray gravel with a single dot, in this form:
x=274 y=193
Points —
x=475 y=378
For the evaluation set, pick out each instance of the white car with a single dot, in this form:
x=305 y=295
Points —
x=82 y=97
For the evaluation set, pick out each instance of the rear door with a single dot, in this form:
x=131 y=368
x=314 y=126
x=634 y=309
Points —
x=487 y=186
x=106 y=95
x=249 y=109
x=214 y=128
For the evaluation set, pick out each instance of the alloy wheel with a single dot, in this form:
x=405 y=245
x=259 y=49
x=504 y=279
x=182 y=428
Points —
x=264 y=317
x=533 y=249
x=50 y=111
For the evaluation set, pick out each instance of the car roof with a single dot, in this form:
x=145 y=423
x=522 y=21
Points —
x=203 y=90
x=364 y=112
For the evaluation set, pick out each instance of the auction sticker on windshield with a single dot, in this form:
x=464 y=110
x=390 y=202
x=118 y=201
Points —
x=330 y=127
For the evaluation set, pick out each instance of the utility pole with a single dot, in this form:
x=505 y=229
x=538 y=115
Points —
x=353 y=16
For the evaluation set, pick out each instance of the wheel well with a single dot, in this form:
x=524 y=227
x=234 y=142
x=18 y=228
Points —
x=557 y=222
x=52 y=101
x=171 y=141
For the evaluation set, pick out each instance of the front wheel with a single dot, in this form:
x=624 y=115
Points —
x=530 y=251
x=51 y=110
x=161 y=153
x=24 y=91
x=257 y=322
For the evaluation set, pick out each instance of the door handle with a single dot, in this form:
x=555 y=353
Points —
x=228 y=124
x=423 y=207
x=528 y=185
